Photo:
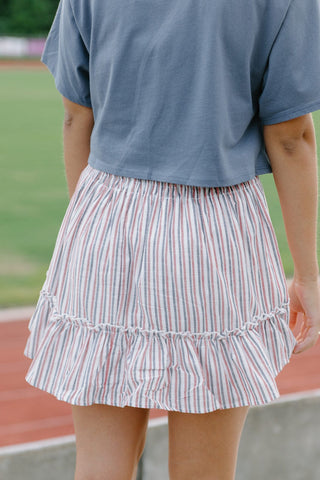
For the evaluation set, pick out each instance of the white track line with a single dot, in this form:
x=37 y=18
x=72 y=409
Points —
x=30 y=446
x=16 y=314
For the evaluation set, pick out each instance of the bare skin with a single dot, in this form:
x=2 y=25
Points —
x=110 y=439
x=110 y=442
x=292 y=150
x=205 y=446
x=77 y=128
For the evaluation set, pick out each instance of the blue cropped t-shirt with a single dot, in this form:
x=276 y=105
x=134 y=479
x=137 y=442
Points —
x=180 y=89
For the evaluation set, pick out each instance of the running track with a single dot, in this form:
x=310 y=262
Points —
x=28 y=414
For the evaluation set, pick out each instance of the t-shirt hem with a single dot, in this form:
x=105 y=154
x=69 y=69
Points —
x=201 y=182
x=291 y=113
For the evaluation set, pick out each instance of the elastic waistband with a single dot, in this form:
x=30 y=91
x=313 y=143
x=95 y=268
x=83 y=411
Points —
x=163 y=189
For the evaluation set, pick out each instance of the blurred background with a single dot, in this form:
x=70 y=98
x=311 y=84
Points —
x=33 y=200
x=26 y=17
x=33 y=190
x=30 y=150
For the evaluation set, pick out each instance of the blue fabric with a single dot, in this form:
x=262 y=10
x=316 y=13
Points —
x=180 y=89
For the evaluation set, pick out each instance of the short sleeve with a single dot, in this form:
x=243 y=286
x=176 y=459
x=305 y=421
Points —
x=67 y=57
x=291 y=82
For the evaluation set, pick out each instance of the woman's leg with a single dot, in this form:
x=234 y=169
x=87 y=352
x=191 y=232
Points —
x=204 y=446
x=109 y=441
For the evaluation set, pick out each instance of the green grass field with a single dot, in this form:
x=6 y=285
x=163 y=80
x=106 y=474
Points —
x=34 y=194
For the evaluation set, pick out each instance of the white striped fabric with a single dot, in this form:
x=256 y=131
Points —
x=162 y=295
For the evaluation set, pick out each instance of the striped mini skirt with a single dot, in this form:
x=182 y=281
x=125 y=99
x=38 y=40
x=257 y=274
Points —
x=162 y=295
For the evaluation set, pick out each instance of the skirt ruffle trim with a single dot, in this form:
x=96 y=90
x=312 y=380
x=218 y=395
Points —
x=83 y=364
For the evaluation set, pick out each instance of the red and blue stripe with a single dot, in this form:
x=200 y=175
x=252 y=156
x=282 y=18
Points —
x=162 y=295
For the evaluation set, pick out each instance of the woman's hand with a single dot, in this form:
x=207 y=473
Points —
x=305 y=307
x=292 y=149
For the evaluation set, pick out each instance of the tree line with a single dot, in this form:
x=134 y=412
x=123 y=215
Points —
x=27 y=17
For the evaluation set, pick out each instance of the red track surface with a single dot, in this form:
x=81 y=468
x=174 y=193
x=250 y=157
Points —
x=28 y=414
x=18 y=64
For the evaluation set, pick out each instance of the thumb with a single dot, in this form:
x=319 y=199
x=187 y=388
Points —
x=310 y=339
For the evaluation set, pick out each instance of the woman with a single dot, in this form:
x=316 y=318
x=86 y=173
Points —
x=166 y=288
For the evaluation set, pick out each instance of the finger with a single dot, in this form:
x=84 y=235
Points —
x=303 y=327
x=293 y=319
x=304 y=332
x=310 y=339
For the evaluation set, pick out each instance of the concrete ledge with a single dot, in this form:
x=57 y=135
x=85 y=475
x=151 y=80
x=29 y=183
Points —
x=280 y=441
x=48 y=459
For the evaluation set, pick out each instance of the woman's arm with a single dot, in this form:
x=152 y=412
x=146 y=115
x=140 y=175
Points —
x=291 y=148
x=77 y=128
